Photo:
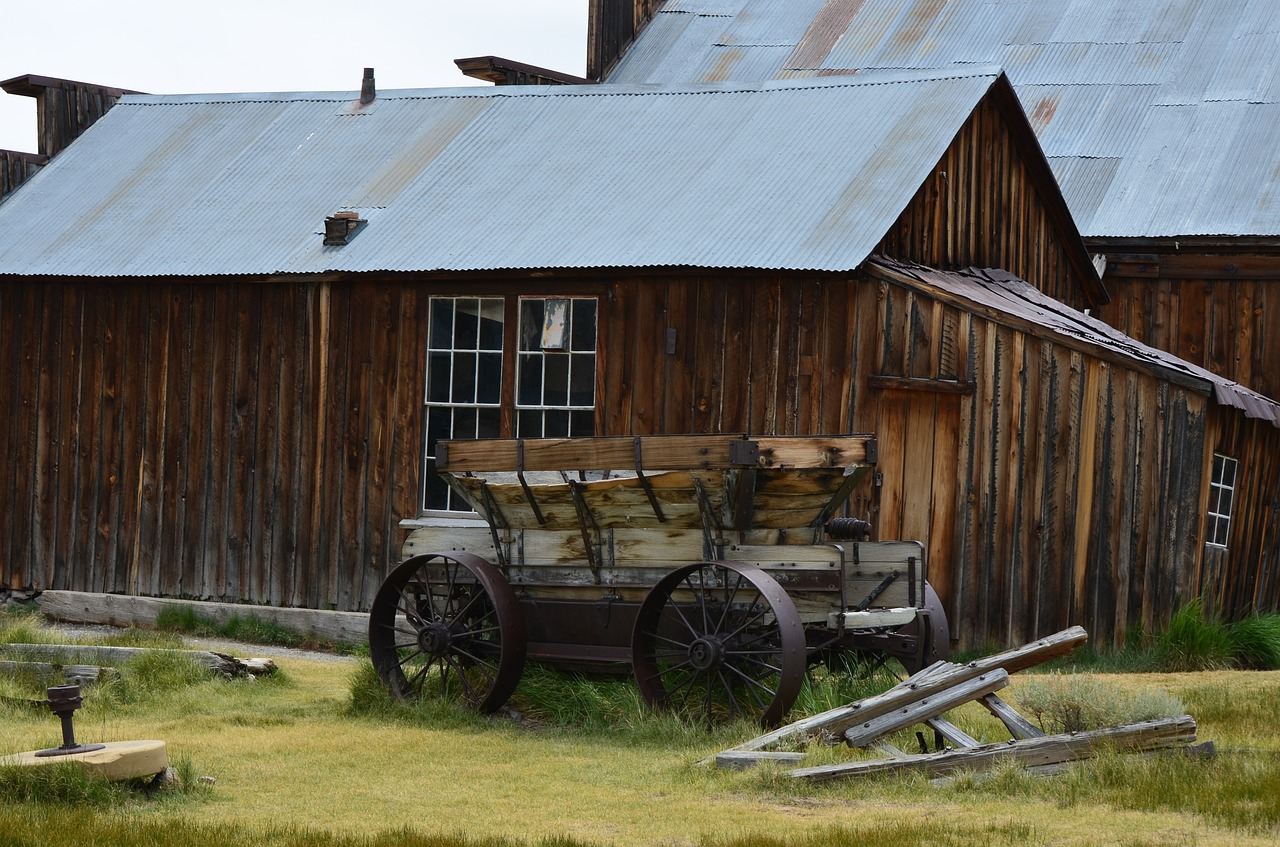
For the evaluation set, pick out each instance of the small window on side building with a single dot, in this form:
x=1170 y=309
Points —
x=1222 y=490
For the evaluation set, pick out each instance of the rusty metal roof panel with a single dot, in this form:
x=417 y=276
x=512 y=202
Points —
x=1100 y=80
x=804 y=175
x=1004 y=293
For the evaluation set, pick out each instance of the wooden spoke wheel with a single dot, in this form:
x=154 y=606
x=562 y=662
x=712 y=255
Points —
x=448 y=625
x=718 y=641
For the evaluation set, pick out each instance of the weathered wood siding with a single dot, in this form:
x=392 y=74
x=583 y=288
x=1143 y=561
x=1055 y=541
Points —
x=611 y=27
x=1221 y=312
x=16 y=168
x=236 y=441
x=1244 y=576
x=982 y=207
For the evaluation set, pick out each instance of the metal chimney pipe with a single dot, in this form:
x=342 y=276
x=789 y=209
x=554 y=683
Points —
x=367 y=92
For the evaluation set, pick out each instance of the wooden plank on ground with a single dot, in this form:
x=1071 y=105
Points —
x=1131 y=738
x=912 y=708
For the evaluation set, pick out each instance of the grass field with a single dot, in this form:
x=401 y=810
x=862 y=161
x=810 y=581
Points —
x=313 y=757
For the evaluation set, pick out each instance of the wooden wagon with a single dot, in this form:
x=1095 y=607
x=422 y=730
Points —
x=712 y=567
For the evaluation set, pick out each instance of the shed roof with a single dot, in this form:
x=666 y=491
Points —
x=1001 y=292
x=1158 y=116
x=804 y=175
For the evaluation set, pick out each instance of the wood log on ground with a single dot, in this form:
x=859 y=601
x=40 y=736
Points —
x=127 y=610
x=1035 y=752
x=90 y=655
x=937 y=677
x=82 y=674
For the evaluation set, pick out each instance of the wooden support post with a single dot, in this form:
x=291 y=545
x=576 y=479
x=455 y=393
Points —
x=1018 y=726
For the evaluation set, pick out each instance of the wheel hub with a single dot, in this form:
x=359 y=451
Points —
x=706 y=653
x=434 y=639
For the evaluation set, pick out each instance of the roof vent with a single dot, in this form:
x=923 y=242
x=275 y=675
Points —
x=340 y=227
x=367 y=92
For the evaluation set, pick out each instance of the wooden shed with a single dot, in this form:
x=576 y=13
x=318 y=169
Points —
x=234 y=327
x=1158 y=118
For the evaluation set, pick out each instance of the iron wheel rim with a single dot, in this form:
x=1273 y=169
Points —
x=448 y=625
x=717 y=641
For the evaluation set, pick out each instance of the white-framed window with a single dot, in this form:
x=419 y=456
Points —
x=548 y=393
x=1222 y=490
x=556 y=383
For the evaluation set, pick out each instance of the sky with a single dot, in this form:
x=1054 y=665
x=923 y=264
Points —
x=184 y=47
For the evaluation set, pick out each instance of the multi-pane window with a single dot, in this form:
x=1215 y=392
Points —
x=556 y=390
x=464 y=381
x=550 y=392
x=1222 y=489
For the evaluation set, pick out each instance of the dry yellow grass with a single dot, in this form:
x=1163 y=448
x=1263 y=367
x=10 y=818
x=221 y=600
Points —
x=290 y=755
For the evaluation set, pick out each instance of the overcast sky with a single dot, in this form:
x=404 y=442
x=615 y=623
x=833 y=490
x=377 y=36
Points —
x=168 y=47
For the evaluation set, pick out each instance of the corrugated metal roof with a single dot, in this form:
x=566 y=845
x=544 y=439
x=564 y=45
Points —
x=1120 y=75
x=797 y=175
x=1002 y=291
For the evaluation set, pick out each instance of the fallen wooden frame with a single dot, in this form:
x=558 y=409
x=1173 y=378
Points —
x=924 y=698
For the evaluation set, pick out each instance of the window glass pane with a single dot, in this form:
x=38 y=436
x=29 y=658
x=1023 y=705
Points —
x=464 y=377
x=491 y=324
x=437 y=489
x=464 y=422
x=530 y=378
x=1229 y=473
x=582 y=423
x=555 y=380
x=583 y=327
x=441 y=324
x=1217 y=469
x=489 y=378
x=489 y=423
x=438 y=377
x=582 y=382
x=530 y=324
x=466 y=330
x=556 y=424
x=529 y=424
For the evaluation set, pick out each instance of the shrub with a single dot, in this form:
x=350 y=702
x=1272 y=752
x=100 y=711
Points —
x=1063 y=702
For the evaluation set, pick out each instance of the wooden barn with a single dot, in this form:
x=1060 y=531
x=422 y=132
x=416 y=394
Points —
x=233 y=327
x=1158 y=118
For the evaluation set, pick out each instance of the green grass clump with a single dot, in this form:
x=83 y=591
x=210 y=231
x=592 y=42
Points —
x=1194 y=641
x=1255 y=642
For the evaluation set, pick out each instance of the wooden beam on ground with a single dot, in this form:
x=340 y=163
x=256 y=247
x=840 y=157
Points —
x=952 y=733
x=1037 y=752
x=656 y=453
x=1018 y=726
x=125 y=610
x=937 y=677
x=107 y=656
x=912 y=708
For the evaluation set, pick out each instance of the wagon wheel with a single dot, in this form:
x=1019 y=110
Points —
x=448 y=624
x=719 y=640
